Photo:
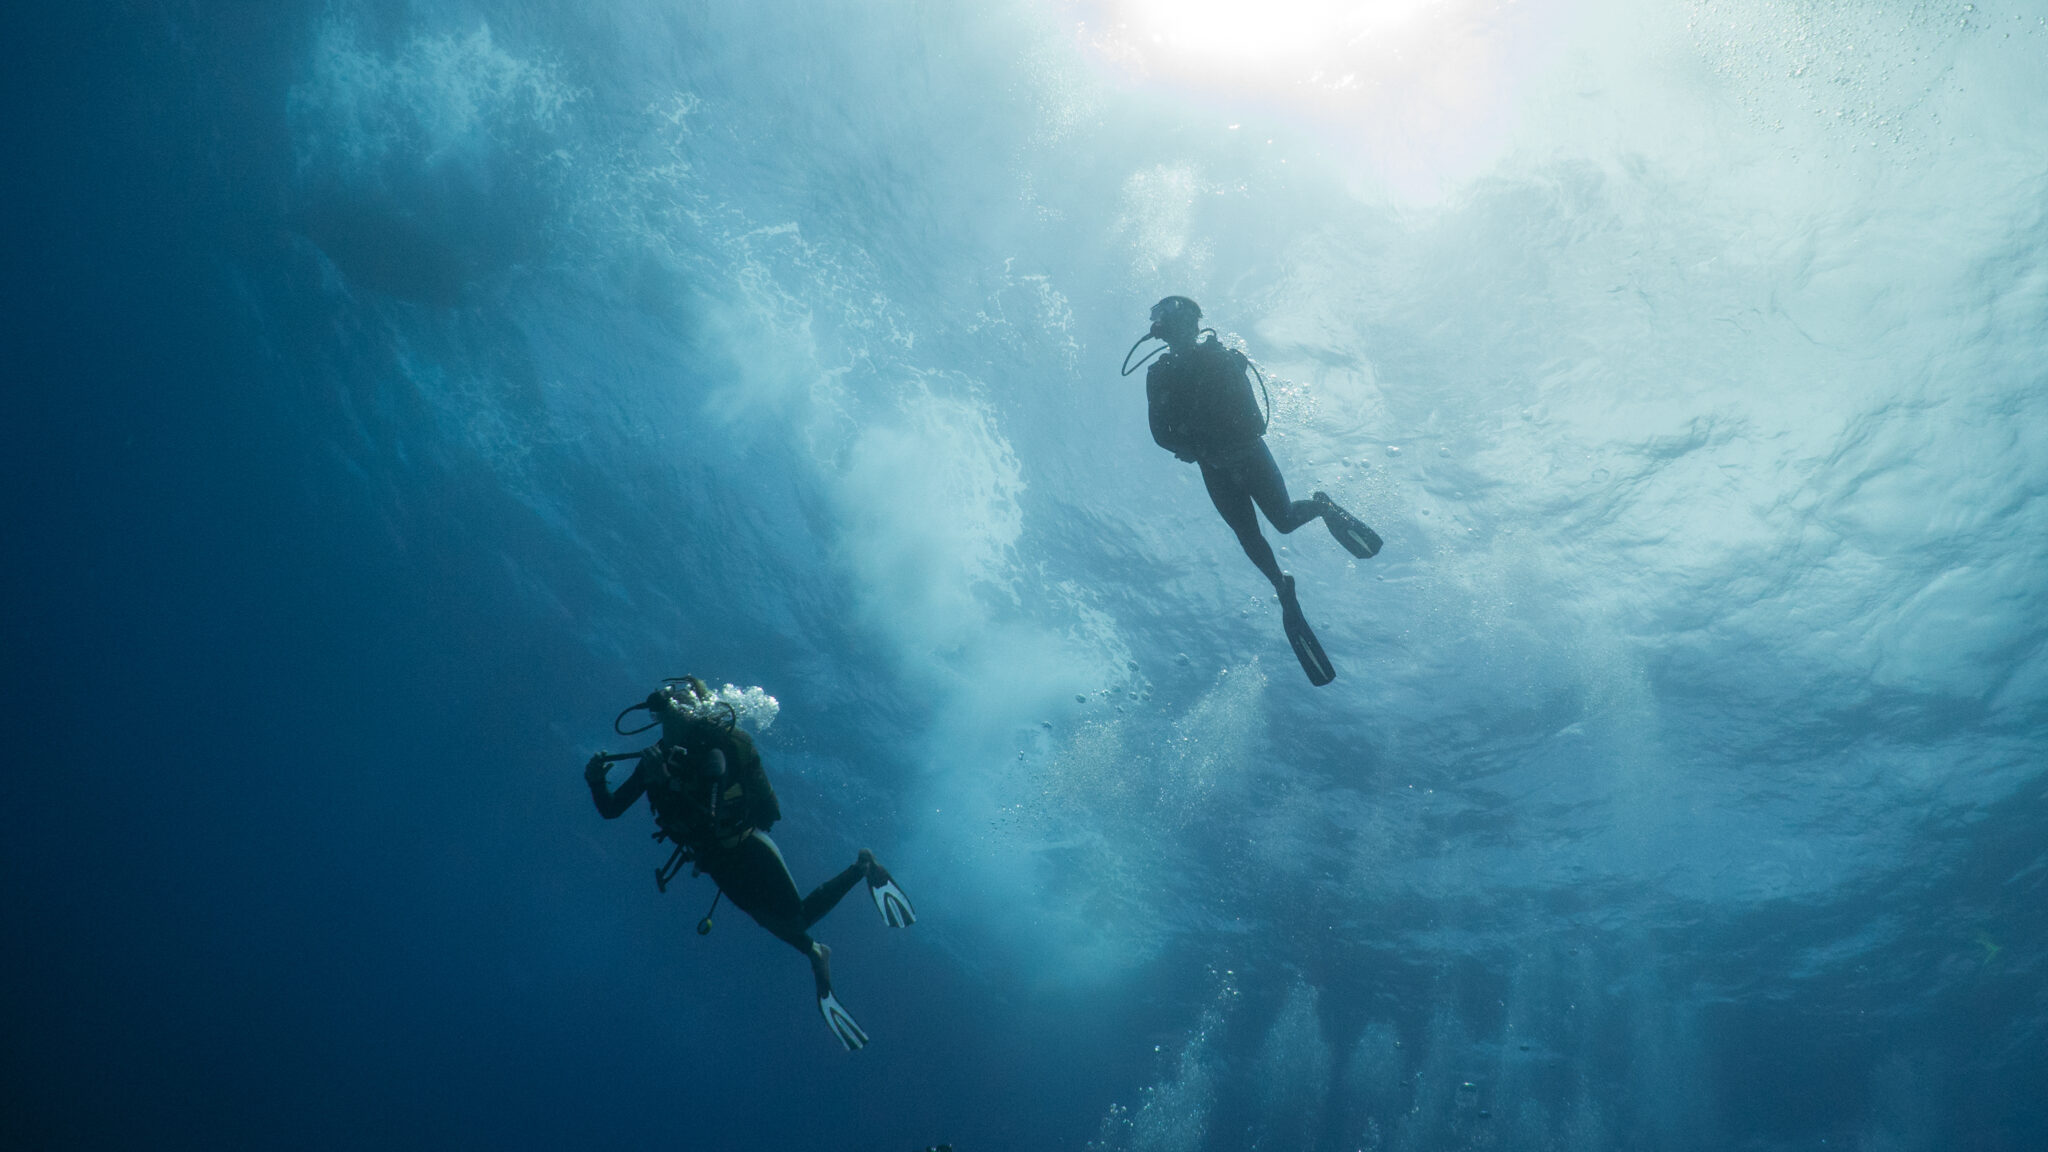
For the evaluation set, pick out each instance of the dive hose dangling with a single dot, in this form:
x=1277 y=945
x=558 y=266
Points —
x=676 y=859
x=1152 y=335
x=1268 y=422
x=667 y=872
x=656 y=723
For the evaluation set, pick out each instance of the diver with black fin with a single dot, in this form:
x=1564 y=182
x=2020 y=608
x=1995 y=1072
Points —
x=711 y=799
x=1202 y=410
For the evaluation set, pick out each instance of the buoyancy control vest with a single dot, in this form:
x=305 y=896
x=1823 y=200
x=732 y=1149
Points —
x=1201 y=402
x=698 y=809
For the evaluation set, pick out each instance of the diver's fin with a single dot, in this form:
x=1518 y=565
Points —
x=1349 y=530
x=1309 y=651
x=889 y=899
x=841 y=1022
x=1302 y=638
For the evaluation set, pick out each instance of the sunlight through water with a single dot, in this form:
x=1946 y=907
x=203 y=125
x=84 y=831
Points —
x=1292 y=40
x=1413 y=96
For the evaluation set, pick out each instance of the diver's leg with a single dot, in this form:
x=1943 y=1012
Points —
x=753 y=876
x=1262 y=477
x=821 y=968
x=1234 y=504
x=827 y=896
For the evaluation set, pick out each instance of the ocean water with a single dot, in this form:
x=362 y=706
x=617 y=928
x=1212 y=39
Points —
x=396 y=390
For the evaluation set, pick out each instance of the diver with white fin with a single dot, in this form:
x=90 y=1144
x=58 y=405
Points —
x=1203 y=411
x=711 y=798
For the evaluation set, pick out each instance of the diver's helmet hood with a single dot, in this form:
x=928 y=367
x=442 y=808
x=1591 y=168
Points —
x=1171 y=313
x=680 y=701
x=1174 y=311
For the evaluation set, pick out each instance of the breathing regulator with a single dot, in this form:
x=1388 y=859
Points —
x=1166 y=314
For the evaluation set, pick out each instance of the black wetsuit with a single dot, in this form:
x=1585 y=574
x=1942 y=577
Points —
x=1202 y=409
x=723 y=819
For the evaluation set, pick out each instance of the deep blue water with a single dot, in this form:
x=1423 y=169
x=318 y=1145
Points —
x=396 y=390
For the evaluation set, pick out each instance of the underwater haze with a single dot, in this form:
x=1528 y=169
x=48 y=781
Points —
x=396 y=389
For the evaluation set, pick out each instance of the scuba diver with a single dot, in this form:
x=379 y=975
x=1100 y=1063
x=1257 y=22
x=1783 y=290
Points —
x=712 y=799
x=1203 y=411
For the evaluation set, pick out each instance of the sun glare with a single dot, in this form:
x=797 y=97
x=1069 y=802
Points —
x=1294 y=38
x=1415 y=93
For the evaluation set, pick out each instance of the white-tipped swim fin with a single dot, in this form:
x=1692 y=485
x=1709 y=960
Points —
x=841 y=1022
x=889 y=899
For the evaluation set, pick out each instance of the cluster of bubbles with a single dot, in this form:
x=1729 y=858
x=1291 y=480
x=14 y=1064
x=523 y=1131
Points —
x=755 y=709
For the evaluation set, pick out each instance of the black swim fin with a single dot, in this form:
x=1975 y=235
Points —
x=1349 y=530
x=1303 y=639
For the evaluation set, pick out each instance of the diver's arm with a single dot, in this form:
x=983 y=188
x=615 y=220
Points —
x=611 y=804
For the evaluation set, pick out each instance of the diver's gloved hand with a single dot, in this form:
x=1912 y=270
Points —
x=593 y=772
